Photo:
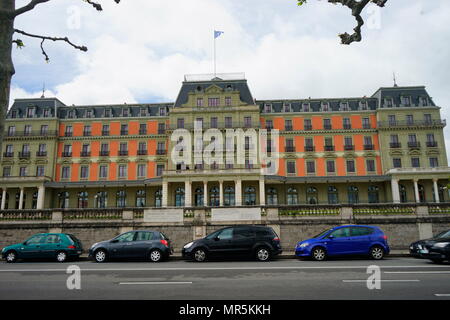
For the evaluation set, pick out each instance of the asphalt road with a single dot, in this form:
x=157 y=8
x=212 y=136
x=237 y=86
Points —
x=401 y=278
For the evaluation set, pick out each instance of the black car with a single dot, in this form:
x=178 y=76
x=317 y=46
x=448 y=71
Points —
x=260 y=242
x=436 y=249
x=140 y=244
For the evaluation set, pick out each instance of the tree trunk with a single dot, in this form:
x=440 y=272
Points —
x=6 y=64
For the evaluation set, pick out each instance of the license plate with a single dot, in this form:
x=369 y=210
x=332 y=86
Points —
x=424 y=251
x=79 y=252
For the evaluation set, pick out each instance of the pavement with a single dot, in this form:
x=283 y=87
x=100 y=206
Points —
x=400 y=278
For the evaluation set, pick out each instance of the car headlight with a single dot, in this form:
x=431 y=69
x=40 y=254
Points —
x=3 y=250
x=303 y=245
x=441 y=244
x=187 y=246
x=94 y=244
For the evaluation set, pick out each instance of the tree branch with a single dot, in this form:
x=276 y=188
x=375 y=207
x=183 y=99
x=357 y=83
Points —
x=97 y=5
x=44 y=38
x=30 y=6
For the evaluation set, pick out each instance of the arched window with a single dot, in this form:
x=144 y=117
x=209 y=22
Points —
x=403 y=197
x=101 y=199
x=83 y=198
x=63 y=198
x=373 y=193
x=214 y=197
x=353 y=196
x=333 y=197
x=311 y=195
x=158 y=198
x=121 y=199
x=198 y=197
x=34 y=201
x=179 y=197
x=272 y=196
x=250 y=196
x=292 y=196
x=421 y=193
x=140 y=198
x=228 y=197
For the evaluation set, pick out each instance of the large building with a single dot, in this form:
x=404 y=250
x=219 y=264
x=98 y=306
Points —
x=385 y=148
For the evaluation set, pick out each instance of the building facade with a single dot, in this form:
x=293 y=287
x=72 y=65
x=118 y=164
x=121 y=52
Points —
x=386 y=148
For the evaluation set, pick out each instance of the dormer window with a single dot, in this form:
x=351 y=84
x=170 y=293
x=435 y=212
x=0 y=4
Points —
x=213 y=102
x=389 y=102
x=287 y=107
x=344 y=106
x=363 y=105
x=143 y=112
x=46 y=113
x=228 y=101
x=31 y=112
x=423 y=101
x=406 y=101
x=162 y=111
x=199 y=102
x=14 y=114
x=267 y=108
x=125 y=112
x=71 y=114
x=107 y=113
x=325 y=106
x=305 y=107
x=89 y=114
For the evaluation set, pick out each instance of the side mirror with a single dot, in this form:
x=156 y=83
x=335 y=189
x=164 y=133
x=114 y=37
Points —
x=216 y=239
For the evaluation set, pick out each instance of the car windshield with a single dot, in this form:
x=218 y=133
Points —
x=322 y=233
x=445 y=234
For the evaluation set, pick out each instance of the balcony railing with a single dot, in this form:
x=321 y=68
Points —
x=123 y=152
x=160 y=152
x=404 y=123
x=432 y=144
x=329 y=148
x=309 y=148
x=288 y=128
x=161 y=131
x=68 y=134
x=123 y=132
x=86 y=133
x=308 y=127
x=24 y=155
x=394 y=145
x=288 y=149
x=105 y=133
x=48 y=133
x=67 y=154
x=413 y=144
x=327 y=127
x=104 y=153
x=8 y=154
x=143 y=132
x=142 y=152
x=369 y=147
x=85 y=154
x=347 y=126
x=41 y=153
x=349 y=147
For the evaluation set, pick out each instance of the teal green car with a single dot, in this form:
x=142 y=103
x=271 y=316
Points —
x=54 y=246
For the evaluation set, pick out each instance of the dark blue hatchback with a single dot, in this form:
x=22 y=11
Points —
x=345 y=240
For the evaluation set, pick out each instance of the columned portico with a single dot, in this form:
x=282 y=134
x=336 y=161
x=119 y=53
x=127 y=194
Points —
x=205 y=193
x=221 y=193
x=3 y=204
x=188 y=193
x=436 y=191
x=262 y=192
x=238 y=190
x=416 y=190
x=395 y=191
x=165 y=193
x=40 y=197
x=21 y=198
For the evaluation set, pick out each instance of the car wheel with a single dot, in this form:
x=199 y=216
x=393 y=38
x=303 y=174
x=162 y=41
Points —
x=199 y=255
x=100 y=256
x=262 y=254
x=319 y=254
x=376 y=253
x=11 y=257
x=156 y=255
x=61 y=256
x=438 y=261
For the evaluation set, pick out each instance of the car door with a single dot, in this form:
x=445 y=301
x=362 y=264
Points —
x=360 y=238
x=339 y=242
x=142 y=244
x=119 y=246
x=243 y=241
x=50 y=245
x=220 y=243
x=32 y=247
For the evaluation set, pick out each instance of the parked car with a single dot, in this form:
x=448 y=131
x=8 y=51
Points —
x=58 y=246
x=260 y=242
x=344 y=241
x=140 y=244
x=436 y=249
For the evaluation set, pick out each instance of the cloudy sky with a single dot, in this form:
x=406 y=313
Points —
x=140 y=50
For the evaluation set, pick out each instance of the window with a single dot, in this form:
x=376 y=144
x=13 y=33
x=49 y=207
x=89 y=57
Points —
x=368 y=143
x=392 y=120
x=333 y=195
x=104 y=149
x=434 y=162
x=140 y=198
x=344 y=106
x=105 y=130
x=305 y=107
x=292 y=196
x=288 y=125
x=307 y=124
x=406 y=101
x=267 y=108
x=366 y=123
x=159 y=170
x=213 y=102
x=327 y=124
x=84 y=172
x=180 y=123
x=6 y=171
x=272 y=196
x=27 y=130
x=397 y=162
x=325 y=106
x=249 y=196
x=121 y=199
x=101 y=199
x=199 y=102
x=370 y=165
x=214 y=197
x=310 y=167
x=63 y=199
x=228 y=122
x=228 y=196
x=11 y=130
x=23 y=171
x=179 y=197
x=123 y=149
x=341 y=233
x=269 y=124
x=409 y=119
x=83 y=198
x=125 y=112
x=247 y=122
x=389 y=102
x=198 y=197
x=69 y=131
x=124 y=129
x=158 y=198
x=287 y=107
x=228 y=101
x=347 y=123
x=312 y=195
x=107 y=113
x=351 y=166
x=71 y=114
x=126 y=237
x=331 y=166
x=214 y=122
x=122 y=171
x=65 y=172
x=44 y=129
x=403 y=194
x=103 y=172
x=31 y=112
x=141 y=170
x=161 y=128
x=427 y=118
x=142 y=148
x=415 y=162
x=373 y=194
x=353 y=196
x=348 y=143
x=289 y=145
x=142 y=128
x=85 y=150
x=226 y=234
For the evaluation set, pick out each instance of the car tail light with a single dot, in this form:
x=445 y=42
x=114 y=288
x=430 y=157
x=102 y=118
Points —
x=71 y=247
x=384 y=237
x=164 y=242
x=276 y=239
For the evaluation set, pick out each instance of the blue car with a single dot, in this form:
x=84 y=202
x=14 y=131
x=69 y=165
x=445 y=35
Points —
x=345 y=240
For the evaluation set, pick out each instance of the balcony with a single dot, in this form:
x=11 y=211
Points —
x=85 y=154
x=288 y=128
x=415 y=123
x=123 y=132
x=123 y=152
x=142 y=152
x=349 y=147
x=86 y=134
x=45 y=133
x=160 y=152
x=413 y=144
x=143 y=132
x=104 y=153
x=327 y=126
x=329 y=148
x=105 y=133
x=395 y=145
x=288 y=149
x=161 y=131
x=309 y=148
x=8 y=154
x=24 y=155
x=366 y=126
x=432 y=144
x=41 y=154
x=308 y=127
x=369 y=147
x=67 y=154
x=68 y=134
x=347 y=126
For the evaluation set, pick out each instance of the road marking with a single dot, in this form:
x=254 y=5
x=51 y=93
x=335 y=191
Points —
x=415 y=280
x=419 y=272
x=442 y=294
x=139 y=283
